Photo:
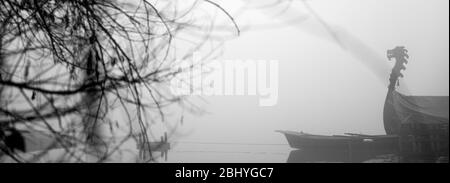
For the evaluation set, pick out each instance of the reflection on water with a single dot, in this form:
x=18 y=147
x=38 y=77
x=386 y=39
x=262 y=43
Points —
x=341 y=156
x=200 y=152
x=227 y=153
x=268 y=153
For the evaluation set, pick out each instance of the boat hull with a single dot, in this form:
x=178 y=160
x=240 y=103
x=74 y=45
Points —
x=307 y=141
x=301 y=141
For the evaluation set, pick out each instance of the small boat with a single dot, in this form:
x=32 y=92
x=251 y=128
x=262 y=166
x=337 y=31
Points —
x=349 y=141
x=301 y=140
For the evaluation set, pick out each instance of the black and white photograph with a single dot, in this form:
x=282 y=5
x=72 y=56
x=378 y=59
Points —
x=224 y=82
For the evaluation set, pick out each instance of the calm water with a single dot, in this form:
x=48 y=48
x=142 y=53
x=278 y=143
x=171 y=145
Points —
x=263 y=153
x=210 y=152
x=186 y=152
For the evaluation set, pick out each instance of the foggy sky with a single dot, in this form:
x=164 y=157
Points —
x=324 y=88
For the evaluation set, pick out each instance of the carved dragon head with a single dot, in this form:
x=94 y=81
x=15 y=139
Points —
x=398 y=52
x=401 y=55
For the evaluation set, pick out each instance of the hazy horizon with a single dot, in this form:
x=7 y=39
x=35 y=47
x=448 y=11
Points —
x=324 y=88
x=136 y=77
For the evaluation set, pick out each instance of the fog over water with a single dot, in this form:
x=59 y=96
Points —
x=327 y=87
x=326 y=67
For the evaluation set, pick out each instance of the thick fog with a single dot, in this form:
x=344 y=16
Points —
x=333 y=69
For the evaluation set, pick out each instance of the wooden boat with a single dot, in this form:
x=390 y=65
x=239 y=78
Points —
x=301 y=140
x=421 y=122
x=412 y=123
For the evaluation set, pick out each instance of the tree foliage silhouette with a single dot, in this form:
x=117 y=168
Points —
x=64 y=65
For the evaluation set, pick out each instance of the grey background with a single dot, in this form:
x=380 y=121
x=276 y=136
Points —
x=325 y=88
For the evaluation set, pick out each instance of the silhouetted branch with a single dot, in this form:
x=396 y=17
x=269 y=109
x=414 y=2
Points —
x=65 y=65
